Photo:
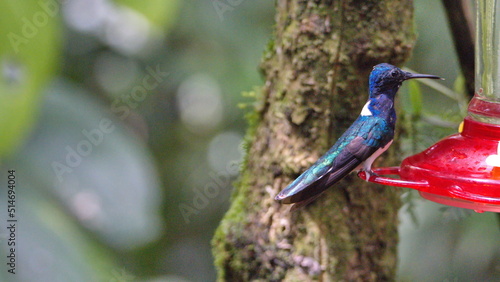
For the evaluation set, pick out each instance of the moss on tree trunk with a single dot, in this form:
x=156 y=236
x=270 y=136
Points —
x=316 y=82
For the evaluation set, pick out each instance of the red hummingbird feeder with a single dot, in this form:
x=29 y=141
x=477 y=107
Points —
x=463 y=170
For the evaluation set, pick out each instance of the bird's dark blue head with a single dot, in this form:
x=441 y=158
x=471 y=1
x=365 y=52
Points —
x=386 y=79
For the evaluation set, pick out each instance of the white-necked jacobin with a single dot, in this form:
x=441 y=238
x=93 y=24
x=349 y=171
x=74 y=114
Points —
x=368 y=137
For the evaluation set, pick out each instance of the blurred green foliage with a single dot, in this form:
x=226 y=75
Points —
x=27 y=31
x=161 y=13
x=122 y=123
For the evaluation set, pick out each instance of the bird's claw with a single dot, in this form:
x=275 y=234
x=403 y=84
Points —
x=369 y=174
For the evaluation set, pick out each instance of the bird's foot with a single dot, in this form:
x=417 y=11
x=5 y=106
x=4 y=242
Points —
x=369 y=173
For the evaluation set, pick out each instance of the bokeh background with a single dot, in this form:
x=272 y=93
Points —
x=123 y=122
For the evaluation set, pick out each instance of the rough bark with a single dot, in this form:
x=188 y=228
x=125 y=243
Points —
x=316 y=82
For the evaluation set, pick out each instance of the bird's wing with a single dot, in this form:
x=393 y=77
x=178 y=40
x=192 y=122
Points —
x=358 y=143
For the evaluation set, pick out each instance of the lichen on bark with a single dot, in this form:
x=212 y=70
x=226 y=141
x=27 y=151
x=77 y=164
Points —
x=315 y=85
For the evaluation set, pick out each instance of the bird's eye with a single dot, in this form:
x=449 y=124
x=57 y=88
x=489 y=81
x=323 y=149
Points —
x=394 y=73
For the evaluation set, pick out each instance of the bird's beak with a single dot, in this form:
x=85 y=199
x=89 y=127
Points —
x=410 y=75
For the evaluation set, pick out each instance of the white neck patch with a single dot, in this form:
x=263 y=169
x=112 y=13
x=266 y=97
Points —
x=366 y=111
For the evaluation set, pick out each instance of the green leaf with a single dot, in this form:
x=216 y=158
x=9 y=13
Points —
x=162 y=13
x=29 y=33
x=49 y=245
x=99 y=171
x=416 y=101
x=459 y=84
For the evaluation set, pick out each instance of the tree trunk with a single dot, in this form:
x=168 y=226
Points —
x=316 y=82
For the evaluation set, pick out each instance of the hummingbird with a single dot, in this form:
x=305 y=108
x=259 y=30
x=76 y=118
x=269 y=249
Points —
x=368 y=137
